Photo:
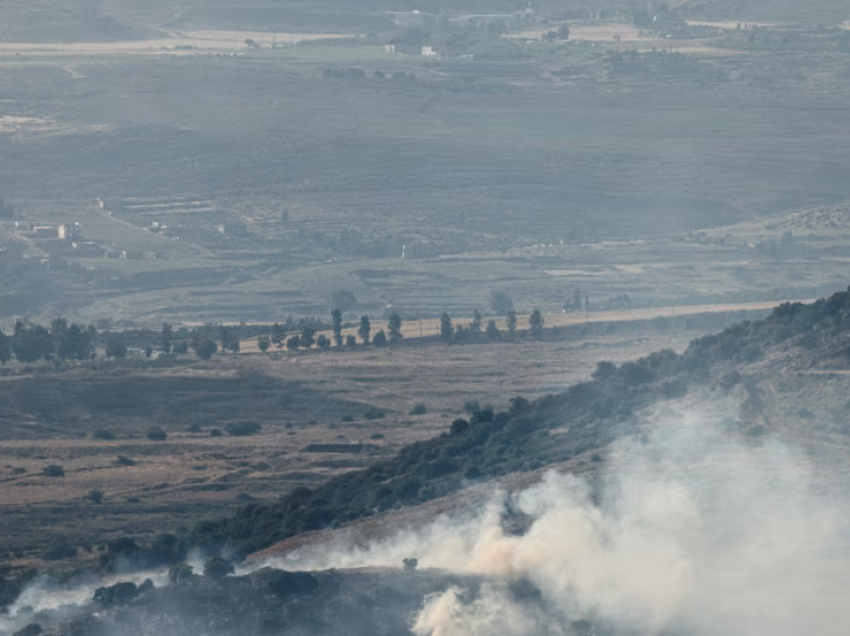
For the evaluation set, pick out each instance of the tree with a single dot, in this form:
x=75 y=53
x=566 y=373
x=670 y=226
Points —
x=394 y=327
x=229 y=342
x=512 y=323
x=446 y=329
x=58 y=334
x=535 y=321
x=218 y=568
x=115 y=348
x=181 y=347
x=323 y=342
x=350 y=341
x=165 y=337
x=95 y=496
x=5 y=348
x=76 y=343
x=380 y=338
x=475 y=326
x=492 y=331
x=308 y=336
x=278 y=335
x=204 y=347
x=501 y=303
x=31 y=342
x=293 y=343
x=336 y=316
x=263 y=343
x=180 y=572
x=564 y=32
x=364 y=329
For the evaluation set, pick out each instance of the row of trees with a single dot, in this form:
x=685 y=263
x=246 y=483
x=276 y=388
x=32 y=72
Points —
x=64 y=341
x=449 y=332
x=459 y=334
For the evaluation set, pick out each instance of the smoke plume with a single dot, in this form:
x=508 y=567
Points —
x=689 y=531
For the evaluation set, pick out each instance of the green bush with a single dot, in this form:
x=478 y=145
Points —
x=374 y=413
x=419 y=409
x=102 y=434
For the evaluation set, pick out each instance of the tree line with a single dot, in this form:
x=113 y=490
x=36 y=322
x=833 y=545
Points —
x=61 y=340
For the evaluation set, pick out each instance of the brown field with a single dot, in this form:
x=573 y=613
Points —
x=212 y=40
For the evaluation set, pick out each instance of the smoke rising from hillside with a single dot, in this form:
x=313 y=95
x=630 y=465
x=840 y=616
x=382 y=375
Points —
x=692 y=532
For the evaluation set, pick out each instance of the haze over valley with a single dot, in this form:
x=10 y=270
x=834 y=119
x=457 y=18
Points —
x=424 y=320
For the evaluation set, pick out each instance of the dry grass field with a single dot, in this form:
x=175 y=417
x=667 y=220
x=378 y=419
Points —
x=304 y=439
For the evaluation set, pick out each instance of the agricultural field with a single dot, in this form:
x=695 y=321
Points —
x=228 y=168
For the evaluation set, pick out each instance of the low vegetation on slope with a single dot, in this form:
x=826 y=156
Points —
x=530 y=435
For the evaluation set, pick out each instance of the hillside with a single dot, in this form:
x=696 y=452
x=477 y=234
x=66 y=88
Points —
x=748 y=359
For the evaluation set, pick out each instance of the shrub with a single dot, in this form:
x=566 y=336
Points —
x=347 y=418
x=123 y=461
x=215 y=432
x=243 y=429
x=95 y=496
x=419 y=409
x=156 y=434
x=53 y=471
x=103 y=434
x=374 y=413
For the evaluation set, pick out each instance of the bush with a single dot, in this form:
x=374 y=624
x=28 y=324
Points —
x=123 y=461
x=243 y=429
x=347 y=418
x=419 y=409
x=374 y=413
x=53 y=471
x=215 y=432
x=156 y=434
x=102 y=434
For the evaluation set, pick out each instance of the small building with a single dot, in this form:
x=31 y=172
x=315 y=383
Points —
x=390 y=49
x=430 y=52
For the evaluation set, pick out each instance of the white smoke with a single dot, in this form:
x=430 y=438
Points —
x=693 y=532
